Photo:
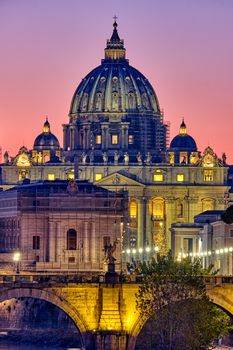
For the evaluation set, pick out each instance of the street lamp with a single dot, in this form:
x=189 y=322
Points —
x=16 y=259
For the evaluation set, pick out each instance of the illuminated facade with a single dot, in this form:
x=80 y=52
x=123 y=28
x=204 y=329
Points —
x=116 y=138
x=60 y=225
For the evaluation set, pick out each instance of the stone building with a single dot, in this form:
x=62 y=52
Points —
x=208 y=238
x=60 y=225
x=116 y=137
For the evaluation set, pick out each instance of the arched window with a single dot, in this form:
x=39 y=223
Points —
x=158 y=210
x=71 y=239
x=133 y=213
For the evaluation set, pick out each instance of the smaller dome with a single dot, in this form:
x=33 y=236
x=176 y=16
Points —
x=183 y=141
x=46 y=140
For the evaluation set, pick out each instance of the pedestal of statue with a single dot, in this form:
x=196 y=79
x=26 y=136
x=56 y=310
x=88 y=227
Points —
x=111 y=276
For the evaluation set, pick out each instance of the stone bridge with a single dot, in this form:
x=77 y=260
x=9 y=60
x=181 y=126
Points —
x=105 y=314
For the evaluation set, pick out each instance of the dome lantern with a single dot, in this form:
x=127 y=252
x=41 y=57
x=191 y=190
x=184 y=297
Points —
x=183 y=129
x=115 y=46
x=46 y=128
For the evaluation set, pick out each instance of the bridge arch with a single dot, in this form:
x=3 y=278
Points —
x=51 y=297
x=222 y=296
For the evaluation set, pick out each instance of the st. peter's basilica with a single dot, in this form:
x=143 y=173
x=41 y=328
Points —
x=116 y=138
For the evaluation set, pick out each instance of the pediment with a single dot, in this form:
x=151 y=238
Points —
x=118 y=179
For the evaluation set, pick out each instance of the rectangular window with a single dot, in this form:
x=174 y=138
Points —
x=231 y=233
x=208 y=175
x=35 y=242
x=130 y=139
x=71 y=260
x=171 y=158
x=158 y=177
x=114 y=139
x=106 y=241
x=98 y=139
x=183 y=157
x=180 y=177
x=188 y=245
x=98 y=177
x=51 y=177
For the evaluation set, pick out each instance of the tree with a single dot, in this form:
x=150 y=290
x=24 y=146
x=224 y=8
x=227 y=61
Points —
x=227 y=216
x=174 y=298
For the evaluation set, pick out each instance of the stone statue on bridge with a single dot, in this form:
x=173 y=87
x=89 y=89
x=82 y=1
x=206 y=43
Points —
x=109 y=249
x=109 y=263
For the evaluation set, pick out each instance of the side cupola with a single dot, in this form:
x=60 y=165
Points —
x=183 y=148
x=46 y=146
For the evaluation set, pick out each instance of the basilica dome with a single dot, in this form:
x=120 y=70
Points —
x=46 y=140
x=114 y=86
x=115 y=112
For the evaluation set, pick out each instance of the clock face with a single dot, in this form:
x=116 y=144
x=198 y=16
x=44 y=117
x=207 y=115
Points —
x=23 y=160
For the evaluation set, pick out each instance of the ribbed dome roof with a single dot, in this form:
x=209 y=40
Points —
x=114 y=86
x=46 y=140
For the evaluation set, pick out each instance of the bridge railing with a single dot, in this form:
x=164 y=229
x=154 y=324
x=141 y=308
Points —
x=217 y=280
x=37 y=278
x=59 y=278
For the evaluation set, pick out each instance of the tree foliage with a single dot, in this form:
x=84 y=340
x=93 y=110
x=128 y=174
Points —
x=174 y=298
x=227 y=216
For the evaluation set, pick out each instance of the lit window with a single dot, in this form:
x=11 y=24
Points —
x=158 y=177
x=183 y=157
x=133 y=209
x=158 y=208
x=98 y=177
x=98 y=139
x=51 y=177
x=130 y=139
x=208 y=175
x=171 y=158
x=114 y=139
x=180 y=177
x=71 y=176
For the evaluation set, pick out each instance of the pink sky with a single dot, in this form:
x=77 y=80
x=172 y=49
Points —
x=184 y=48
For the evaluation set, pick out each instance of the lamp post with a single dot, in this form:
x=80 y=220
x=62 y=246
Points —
x=16 y=259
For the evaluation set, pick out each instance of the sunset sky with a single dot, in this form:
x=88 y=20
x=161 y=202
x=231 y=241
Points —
x=184 y=48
